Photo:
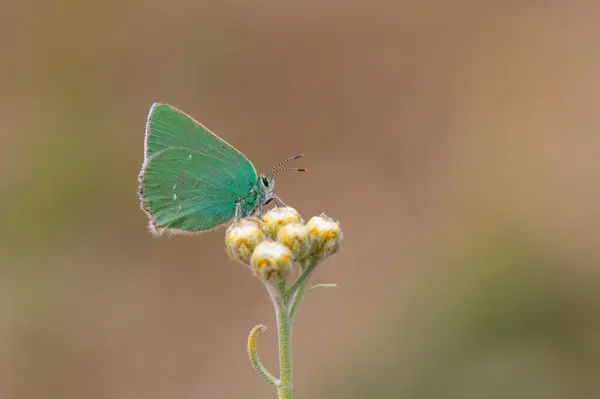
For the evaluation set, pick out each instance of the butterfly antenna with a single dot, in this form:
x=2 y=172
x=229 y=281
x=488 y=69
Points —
x=282 y=162
x=273 y=171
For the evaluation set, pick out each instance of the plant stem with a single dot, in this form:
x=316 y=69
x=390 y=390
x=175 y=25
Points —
x=298 y=289
x=296 y=299
x=307 y=271
x=255 y=360
x=284 y=329
x=285 y=302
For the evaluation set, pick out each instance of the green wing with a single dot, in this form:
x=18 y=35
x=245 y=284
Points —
x=191 y=178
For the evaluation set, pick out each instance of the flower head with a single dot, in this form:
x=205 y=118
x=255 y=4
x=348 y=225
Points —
x=326 y=235
x=296 y=237
x=278 y=217
x=271 y=261
x=241 y=239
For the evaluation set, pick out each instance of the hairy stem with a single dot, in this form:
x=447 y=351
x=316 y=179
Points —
x=255 y=360
x=299 y=287
x=297 y=298
x=321 y=286
x=284 y=328
x=307 y=270
x=284 y=335
x=285 y=302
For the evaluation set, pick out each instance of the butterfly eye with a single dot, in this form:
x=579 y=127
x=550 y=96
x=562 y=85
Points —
x=265 y=181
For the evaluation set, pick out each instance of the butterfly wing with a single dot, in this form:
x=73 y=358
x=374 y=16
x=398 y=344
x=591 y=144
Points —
x=191 y=178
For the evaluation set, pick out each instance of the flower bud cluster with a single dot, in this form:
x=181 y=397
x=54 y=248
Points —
x=271 y=246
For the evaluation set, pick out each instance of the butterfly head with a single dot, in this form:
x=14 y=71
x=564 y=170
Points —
x=266 y=184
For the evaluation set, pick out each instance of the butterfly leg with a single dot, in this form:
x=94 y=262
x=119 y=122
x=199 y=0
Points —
x=268 y=201
x=260 y=209
x=239 y=213
x=278 y=201
x=261 y=206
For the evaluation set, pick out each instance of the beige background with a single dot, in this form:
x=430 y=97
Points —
x=457 y=143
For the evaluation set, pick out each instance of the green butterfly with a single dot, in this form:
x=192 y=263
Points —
x=193 y=181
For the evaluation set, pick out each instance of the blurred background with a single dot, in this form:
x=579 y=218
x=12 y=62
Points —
x=457 y=143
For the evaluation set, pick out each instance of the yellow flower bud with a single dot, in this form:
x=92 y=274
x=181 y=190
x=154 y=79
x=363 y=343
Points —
x=295 y=236
x=278 y=217
x=271 y=261
x=326 y=235
x=241 y=239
